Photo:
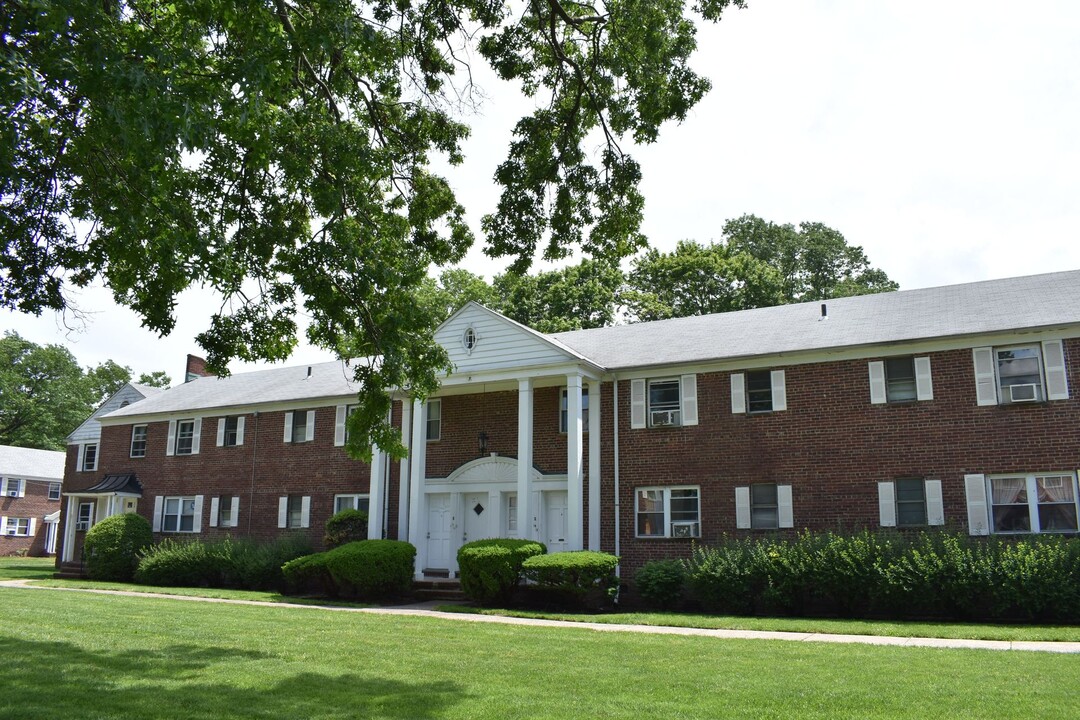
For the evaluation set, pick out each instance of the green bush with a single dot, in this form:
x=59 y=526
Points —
x=584 y=578
x=660 y=583
x=257 y=566
x=226 y=563
x=372 y=569
x=308 y=575
x=111 y=548
x=345 y=527
x=180 y=563
x=490 y=569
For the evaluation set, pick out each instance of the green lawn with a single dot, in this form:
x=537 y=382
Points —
x=96 y=656
x=26 y=568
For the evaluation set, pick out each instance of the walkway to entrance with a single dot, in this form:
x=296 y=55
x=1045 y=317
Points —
x=427 y=610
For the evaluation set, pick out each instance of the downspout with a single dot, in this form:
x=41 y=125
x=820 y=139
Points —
x=254 y=454
x=615 y=439
x=386 y=479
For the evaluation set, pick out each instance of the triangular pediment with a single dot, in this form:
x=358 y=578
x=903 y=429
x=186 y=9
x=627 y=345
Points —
x=479 y=339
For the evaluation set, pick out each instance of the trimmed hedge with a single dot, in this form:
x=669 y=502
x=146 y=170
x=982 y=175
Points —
x=661 y=583
x=345 y=527
x=932 y=574
x=368 y=569
x=111 y=548
x=226 y=563
x=584 y=578
x=490 y=570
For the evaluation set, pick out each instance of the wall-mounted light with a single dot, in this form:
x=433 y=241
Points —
x=482 y=439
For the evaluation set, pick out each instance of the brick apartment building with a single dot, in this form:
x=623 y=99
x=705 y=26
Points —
x=30 y=486
x=950 y=406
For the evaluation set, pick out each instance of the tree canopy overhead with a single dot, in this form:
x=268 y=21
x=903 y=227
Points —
x=279 y=152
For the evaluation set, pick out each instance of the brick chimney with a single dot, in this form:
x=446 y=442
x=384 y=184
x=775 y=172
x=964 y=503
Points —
x=196 y=368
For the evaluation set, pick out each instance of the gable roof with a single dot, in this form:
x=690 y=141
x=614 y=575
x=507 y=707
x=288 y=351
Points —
x=279 y=384
x=30 y=462
x=1035 y=301
x=89 y=430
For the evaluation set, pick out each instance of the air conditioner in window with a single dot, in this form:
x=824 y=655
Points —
x=13 y=493
x=661 y=418
x=82 y=526
x=1028 y=392
x=10 y=532
x=685 y=529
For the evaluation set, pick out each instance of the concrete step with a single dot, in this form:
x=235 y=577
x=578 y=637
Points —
x=439 y=589
x=70 y=571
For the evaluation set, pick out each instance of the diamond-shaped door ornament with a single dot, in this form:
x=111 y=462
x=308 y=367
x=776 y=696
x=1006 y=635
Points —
x=478 y=509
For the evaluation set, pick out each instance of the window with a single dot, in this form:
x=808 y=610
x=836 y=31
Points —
x=185 y=437
x=138 y=441
x=54 y=491
x=350 y=502
x=763 y=506
x=664 y=403
x=1021 y=374
x=584 y=409
x=1034 y=503
x=511 y=514
x=910 y=502
x=86 y=516
x=295 y=512
x=434 y=420
x=299 y=426
x=226 y=516
x=89 y=457
x=668 y=512
x=349 y=410
x=231 y=432
x=13 y=487
x=900 y=381
x=16 y=526
x=760 y=391
x=178 y=514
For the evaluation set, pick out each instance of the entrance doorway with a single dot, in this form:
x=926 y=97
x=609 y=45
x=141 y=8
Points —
x=440 y=525
x=555 y=506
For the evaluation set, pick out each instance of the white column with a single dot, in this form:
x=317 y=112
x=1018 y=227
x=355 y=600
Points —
x=70 y=518
x=375 y=494
x=525 y=509
x=574 y=465
x=594 y=465
x=403 y=471
x=417 y=506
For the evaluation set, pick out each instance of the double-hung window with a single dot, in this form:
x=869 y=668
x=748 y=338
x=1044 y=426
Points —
x=88 y=457
x=184 y=437
x=178 y=514
x=563 y=404
x=900 y=380
x=433 y=431
x=1033 y=503
x=662 y=402
x=294 y=511
x=673 y=512
x=355 y=501
x=16 y=526
x=230 y=431
x=54 y=491
x=1021 y=373
x=85 y=516
x=759 y=391
x=13 y=487
x=910 y=502
x=763 y=506
x=299 y=426
x=138 y=441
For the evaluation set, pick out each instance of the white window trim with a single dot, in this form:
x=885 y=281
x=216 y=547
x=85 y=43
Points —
x=19 y=489
x=666 y=490
x=80 y=463
x=924 y=382
x=215 y=511
x=283 y=513
x=356 y=497
x=888 y=511
x=59 y=491
x=1053 y=372
x=785 y=514
x=428 y=421
x=9 y=526
x=740 y=397
x=641 y=410
x=196 y=520
x=1032 y=502
x=309 y=425
x=84 y=525
x=222 y=426
x=564 y=403
x=174 y=435
x=145 y=440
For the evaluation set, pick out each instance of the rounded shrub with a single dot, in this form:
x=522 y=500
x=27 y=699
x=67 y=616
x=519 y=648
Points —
x=111 y=548
x=372 y=569
x=490 y=569
x=308 y=575
x=345 y=527
x=173 y=563
x=660 y=583
x=583 y=578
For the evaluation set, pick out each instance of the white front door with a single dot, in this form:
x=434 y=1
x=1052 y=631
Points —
x=555 y=520
x=440 y=520
x=478 y=516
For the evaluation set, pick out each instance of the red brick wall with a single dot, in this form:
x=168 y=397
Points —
x=36 y=504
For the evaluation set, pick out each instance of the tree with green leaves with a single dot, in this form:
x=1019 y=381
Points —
x=279 y=153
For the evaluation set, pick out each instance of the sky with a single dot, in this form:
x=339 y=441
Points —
x=941 y=137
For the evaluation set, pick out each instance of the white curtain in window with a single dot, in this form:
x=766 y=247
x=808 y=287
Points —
x=1007 y=491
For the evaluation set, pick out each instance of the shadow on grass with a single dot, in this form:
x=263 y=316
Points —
x=54 y=680
x=12 y=568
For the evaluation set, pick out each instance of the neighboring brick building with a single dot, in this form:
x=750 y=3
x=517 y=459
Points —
x=939 y=407
x=30 y=483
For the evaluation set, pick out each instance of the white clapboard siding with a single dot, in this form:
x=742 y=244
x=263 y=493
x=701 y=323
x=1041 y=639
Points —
x=500 y=343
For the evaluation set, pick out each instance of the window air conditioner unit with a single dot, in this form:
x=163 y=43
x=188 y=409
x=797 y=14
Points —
x=1028 y=392
x=13 y=493
x=661 y=418
x=11 y=532
x=82 y=526
x=685 y=529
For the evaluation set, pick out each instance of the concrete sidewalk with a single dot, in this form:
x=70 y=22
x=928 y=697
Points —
x=427 y=610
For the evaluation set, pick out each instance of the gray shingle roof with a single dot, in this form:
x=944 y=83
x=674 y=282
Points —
x=27 y=462
x=1035 y=301
x=284 y=384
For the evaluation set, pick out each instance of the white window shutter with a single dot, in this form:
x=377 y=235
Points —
x=215 y=506
x=235 y=511
x=170 y=443
x=877 y=383
x=1057 y=379
x=886 y=497
x=3 y=524
x=33 y=527
x=779 y=392
x=240 y=430
x=339 y=426
x=924 y=382
x=309 y=429
x=22 y=488
x=784 y=509
x=288 y=430
x=159 y=503
x=985 y=378
x=688 y=391
x=220 y=432
x=935 y=506
x=79 y=458
x=196 y=436
x=196 y=525
x=742 y=508
x=283 y=511
x=975 y=488
x=738 y=395
x=305 y=511
x=637 y=403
